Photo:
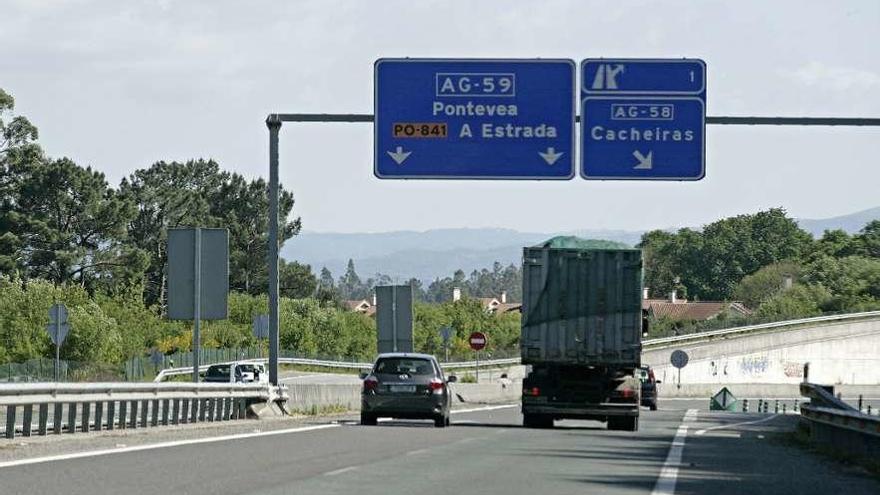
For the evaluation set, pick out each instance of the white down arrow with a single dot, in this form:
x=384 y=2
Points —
x=550 y=156
x=399 y=156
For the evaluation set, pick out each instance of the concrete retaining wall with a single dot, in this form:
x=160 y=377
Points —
x=759 y=390
x=838 y=353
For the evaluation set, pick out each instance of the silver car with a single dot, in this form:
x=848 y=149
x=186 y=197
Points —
x=408 y=386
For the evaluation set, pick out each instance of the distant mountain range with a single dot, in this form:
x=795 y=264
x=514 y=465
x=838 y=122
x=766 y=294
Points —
x=438 y=253
x=851 y=223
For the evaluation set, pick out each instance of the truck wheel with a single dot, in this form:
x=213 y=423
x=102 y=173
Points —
x=624 y=424
x=368 y=419
x=537 y=421
x=631 y=424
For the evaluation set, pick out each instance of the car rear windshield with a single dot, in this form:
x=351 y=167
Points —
x=217 y=371
x=410 y=366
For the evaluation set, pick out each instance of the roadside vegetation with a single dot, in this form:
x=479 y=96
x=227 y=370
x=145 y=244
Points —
x=67 y=235
x=768 y=263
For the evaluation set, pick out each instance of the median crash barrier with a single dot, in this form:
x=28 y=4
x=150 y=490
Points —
x=56 y=408
x=347 y=397
x=487 y=366
x=834 y=423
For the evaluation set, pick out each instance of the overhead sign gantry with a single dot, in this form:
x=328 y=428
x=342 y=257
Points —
x=542 y=97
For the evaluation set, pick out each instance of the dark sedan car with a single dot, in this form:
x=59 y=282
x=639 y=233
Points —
x=408 y=386
x=649 y=387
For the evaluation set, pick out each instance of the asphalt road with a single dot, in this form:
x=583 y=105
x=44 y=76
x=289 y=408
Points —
x=484 y=452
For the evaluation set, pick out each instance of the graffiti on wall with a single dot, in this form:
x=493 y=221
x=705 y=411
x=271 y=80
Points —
x=754 y=365
x=793 y=369
x=718 y=368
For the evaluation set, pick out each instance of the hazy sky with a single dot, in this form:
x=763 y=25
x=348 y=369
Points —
x=120 y=85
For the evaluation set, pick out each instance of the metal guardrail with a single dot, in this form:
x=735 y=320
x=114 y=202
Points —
x=98 y=406
x=838 y=418
x=833 y=422
x=337 y=364
x=823 y=396
x=753 y=328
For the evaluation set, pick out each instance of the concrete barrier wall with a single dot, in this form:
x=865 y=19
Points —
x=513 y=372
x=839 y=353
x=499 y=391
x=305 y=396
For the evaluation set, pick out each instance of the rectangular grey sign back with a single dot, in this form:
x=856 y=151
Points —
x=214 y=273
x=394 y=314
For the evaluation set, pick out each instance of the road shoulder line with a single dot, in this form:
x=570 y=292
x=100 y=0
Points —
x=196 y=441
x=162 y=445
x=668 y=477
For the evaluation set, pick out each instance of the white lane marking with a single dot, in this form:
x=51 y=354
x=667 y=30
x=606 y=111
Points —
x=733 y=425
x=162 y=445
x=340 y=471
x=196 y=441
x=462 y=411
x=724 y=434
x=669 y=473
x=487 y=408
x=417 y=452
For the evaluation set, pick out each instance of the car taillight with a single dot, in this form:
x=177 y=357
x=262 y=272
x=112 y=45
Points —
x=436 y=385
x=534 y=391
x=371 y=383
x=626 y=393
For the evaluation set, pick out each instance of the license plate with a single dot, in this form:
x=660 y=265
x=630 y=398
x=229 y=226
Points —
x=402 y=388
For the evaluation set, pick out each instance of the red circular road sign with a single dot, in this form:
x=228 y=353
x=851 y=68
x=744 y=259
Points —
x=478 y=341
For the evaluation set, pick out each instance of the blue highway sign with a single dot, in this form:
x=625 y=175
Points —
x=643 y=119
x=474 y=119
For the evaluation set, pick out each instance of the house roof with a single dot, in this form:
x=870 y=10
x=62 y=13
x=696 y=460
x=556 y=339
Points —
x=684 y=310
x=356 y=305
x=505 y=307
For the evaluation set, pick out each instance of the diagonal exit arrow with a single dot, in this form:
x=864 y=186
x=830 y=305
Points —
x=645 y=161
x=399 y=155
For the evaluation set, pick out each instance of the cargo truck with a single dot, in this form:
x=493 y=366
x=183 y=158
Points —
x=581 y=334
